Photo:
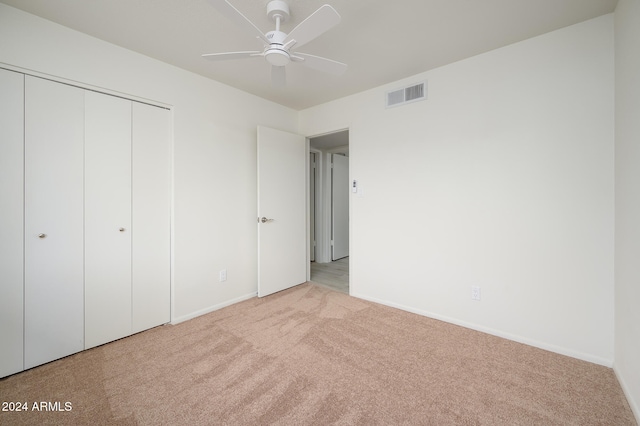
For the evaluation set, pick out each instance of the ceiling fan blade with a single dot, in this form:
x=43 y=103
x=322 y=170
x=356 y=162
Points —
x=278 y=76
x=321 y=64
x=230 y=55
x=228 y=10
x=316 y=24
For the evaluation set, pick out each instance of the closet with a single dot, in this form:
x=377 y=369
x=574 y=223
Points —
x=53 y=220
x=86 y=192
x=11 y=216
x=107 y=199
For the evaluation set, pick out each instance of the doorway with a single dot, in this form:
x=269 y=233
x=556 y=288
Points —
x=329 y=210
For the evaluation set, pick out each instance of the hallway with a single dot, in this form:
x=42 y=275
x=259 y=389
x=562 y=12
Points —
x=334 y=274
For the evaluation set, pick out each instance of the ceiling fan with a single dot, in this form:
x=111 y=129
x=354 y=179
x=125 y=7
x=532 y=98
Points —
x=278 y=46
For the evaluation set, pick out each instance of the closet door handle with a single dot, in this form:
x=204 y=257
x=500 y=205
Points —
x=122 y=229
x=42 y=235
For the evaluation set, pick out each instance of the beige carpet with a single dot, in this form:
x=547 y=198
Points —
x=310 y=355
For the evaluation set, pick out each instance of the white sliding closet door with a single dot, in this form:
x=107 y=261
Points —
x=11 y=217
x=53 y=287
x=151 y=216
x=107 y=218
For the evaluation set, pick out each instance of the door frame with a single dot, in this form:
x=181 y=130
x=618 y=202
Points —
x=323 y=201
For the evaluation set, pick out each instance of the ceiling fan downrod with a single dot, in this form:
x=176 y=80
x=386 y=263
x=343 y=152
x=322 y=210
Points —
x=276 y=54
x=278 y=11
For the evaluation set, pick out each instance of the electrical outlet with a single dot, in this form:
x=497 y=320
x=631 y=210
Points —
x=223 y=275
x=475 y=292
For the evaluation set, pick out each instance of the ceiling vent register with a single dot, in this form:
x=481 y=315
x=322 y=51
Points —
x=407 y=95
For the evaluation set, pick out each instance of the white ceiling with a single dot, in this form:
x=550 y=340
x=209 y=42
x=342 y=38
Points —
x=381 y=41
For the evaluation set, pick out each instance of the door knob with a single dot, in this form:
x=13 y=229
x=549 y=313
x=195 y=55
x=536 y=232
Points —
x=42 y=235
x=265 y=220
x=121 y=229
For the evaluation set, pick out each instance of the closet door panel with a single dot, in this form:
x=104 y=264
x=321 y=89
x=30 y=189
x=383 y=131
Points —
x=107 y=218
x=11 y=217
x=54 y=300
x=151 y=216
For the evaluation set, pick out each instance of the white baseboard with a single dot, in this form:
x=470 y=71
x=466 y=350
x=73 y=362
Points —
x=498 y=333
x=213 y=308
x=625 y=388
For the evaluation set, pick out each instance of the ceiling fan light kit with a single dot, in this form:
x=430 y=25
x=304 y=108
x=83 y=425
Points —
x=276 y=54
x=278 y=46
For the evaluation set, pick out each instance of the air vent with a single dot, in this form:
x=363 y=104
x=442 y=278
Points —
x=406 y=95
x=396 y=97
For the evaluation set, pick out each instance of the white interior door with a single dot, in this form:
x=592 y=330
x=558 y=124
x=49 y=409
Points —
x=11 y=217
x=340 y=207
x=282 y=183
x=54 y=285
x=151 y=229
x=312 y=206
x=107 y=218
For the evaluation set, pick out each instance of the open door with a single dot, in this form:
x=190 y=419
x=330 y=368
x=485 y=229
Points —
x=312 y=206
x=282 y=181
x=339 y=206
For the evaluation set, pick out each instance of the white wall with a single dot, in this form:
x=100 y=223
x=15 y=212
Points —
x=214 y=150
x=503 y=179
x=627 y=267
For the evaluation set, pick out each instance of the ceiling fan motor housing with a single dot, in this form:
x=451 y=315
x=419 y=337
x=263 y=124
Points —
x=275 y=53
